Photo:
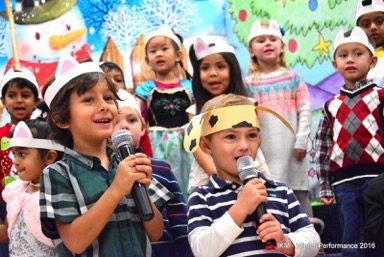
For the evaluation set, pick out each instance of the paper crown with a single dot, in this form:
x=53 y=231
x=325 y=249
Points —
x=237 y=116
x=206 y=47
x=22 y=137
x=258 y=30
x=127 y=100
x=165 y=32
x=357 y=36
x=67 y=69
x=375 y=6
x=24 y=73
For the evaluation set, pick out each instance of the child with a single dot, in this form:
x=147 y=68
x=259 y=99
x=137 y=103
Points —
x=282 y=90
x=216 y=72
x=85 y=201
x=174 y=241
x=114 y=72
x=349 y=141
x=370 y=17
x=19 y=95
x=33 y=152
x=218 y=213
x=166 y=98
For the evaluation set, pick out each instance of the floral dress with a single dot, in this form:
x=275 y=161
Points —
x=166 y=104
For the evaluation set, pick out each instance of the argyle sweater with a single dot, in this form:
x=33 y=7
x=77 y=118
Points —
x=356 y=120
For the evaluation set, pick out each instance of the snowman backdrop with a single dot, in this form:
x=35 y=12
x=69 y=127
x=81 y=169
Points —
x=45 y=29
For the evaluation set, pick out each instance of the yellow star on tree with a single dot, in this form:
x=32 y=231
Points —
x=322 y=46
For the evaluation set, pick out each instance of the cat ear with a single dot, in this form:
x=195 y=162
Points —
x=22 y=131
x=274 y=25
x=339 y=35
x=200 y=46
x=66 y=63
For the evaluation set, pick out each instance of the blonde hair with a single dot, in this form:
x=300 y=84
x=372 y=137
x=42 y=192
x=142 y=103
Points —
x=254 y=66
x=226 y=100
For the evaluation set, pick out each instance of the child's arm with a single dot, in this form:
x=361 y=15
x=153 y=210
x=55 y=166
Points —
x=79 y=234
x=155 y=226
x=205 y=161
x=4 y=232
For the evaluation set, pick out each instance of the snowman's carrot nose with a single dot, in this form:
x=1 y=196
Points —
x=58 y=42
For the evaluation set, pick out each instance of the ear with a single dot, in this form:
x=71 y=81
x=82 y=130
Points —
x=50 y=157
x=205 y=145
x=373 y=62
x=334 y=64
x=179 y=56
x=250 y=50
x=60 y=124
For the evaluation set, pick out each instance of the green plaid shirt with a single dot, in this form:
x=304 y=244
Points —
x=71 y=186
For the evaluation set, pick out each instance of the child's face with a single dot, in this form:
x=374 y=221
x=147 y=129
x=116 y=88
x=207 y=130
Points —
x=267 y=49
x=28 y=163
x=91 y=115
x=20 y=103
x=227 y=146
x=373 y=25
x=214 y=74
x=129 y=119
x=161 y=55
x=117 y=78
x=353 y=61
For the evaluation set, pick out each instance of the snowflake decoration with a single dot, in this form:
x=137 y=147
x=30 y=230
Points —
x=3 y=37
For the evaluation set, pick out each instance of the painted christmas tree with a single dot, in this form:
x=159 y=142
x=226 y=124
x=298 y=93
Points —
x=310 y=25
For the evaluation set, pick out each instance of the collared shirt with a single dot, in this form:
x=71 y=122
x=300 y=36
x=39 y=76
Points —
x=213 y=232
x=71 y=186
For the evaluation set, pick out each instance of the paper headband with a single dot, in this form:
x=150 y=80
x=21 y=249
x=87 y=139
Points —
x=237 y=116
x=67 y=69
x=165 y=32
x=24 y=73
x=204 y=48
x=22 y=137
x=375 y=6
x=127 y=100
x=357 y=36
x=257 y=30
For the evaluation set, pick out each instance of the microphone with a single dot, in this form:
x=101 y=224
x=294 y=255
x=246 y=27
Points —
x=122 y=140
x=247 y=171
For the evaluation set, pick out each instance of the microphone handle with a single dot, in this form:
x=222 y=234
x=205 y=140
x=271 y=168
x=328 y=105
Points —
x=260 y=211
x=143 y=204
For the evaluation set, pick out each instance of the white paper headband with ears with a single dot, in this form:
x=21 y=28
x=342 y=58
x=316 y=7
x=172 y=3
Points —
x=357 y=36
x=204 y=47
x=375 y=6
x=67 y=69
x=165 y=32
x=24 y=73
x=22 y=137
x=257 y=30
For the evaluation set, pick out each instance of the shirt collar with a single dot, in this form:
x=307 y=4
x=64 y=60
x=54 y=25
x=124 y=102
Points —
x=220 y=185
x=87 y=160
x=358 y=85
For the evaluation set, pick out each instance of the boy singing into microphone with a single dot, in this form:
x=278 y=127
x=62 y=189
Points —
x=219 y=214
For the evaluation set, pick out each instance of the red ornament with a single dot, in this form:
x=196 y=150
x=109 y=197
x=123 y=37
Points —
x=243 y=15
x=292 y=45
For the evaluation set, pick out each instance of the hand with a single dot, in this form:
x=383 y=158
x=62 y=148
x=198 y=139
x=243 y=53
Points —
x=252 y=194
x=143 y=164
x=300 y=154
x=327 y=201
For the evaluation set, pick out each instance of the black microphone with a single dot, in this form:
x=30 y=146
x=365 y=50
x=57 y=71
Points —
x=122 y=140
x=247 y=171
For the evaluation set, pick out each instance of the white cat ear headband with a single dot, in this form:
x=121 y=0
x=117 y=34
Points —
x=258 y=30
x=127 y=100
x=22 y=137
x=375 y=6
x=204 y=48
x=67 y=69
x=24 y=73
x=165 y=32
x=357 y=36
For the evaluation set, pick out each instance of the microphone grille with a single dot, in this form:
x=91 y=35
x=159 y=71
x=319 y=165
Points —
x=246 y=168
x=121 y=137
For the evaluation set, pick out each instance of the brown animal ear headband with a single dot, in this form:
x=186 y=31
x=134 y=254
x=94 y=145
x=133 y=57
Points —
x=237 y=116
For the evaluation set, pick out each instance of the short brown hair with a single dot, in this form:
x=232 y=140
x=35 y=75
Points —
x=226 y=100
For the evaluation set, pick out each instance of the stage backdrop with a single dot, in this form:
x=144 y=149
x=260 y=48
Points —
x=54 y=27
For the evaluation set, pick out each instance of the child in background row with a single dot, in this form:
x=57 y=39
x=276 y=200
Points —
x=174 y=241
x=282 y=90
x=216 y=72
x=85 y=200
x=19 y=95
x=166 y=98
x=219 y=214
x=33 y=152
x=349 y=142
x=370 y=17
x=115 y=73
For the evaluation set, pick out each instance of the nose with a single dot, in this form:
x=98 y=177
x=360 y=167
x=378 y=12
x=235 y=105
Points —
x=243 y=145
x=212 y=72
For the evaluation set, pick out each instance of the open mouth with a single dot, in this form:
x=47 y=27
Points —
x=103 y=121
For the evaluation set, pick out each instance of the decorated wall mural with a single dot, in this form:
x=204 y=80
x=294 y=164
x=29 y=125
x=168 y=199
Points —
x=45 y=29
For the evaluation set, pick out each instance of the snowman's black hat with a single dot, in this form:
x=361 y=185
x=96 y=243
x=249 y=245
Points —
x=36 y=12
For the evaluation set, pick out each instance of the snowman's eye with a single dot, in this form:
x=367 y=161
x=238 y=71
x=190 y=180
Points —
x=37 y=36
x=68 y=27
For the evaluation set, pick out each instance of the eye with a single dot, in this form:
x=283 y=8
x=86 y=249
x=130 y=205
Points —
x=37 y=36
x=68 y=27
x=230 y=136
